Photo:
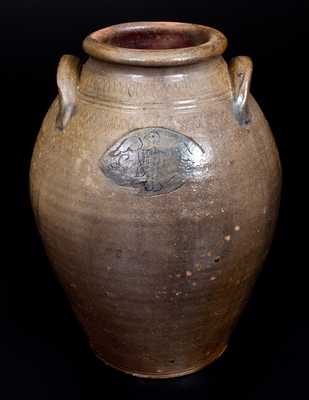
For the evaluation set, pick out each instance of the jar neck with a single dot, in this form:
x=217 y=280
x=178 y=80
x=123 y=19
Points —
x=137 y=86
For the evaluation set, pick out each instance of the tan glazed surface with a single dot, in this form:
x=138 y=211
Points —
x=155 y=183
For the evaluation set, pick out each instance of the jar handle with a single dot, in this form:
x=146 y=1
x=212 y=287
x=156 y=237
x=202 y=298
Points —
x=240 y=69
x=68 y=73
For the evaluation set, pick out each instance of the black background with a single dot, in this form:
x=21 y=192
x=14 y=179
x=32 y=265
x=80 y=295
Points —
x=44 y=354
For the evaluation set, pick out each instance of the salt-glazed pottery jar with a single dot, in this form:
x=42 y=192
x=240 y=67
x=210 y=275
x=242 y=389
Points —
x=155 y=183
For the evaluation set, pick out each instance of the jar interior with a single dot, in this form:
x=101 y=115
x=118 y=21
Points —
x=157 y=39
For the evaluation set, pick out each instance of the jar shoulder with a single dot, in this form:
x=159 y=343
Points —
x=96 y=127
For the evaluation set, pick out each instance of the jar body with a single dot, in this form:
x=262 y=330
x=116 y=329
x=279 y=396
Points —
x=157 y=273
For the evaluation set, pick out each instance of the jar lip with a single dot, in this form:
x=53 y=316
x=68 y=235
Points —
x=155 y=43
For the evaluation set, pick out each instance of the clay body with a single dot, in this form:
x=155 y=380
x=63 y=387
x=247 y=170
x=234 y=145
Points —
x=155 y=184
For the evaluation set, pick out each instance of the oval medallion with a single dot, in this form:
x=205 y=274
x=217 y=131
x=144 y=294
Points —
x=152 y=160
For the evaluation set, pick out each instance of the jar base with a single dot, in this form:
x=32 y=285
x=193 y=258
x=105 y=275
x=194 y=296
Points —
x=166 y=375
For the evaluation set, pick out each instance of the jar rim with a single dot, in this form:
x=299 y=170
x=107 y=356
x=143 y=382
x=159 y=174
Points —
x=155 y=43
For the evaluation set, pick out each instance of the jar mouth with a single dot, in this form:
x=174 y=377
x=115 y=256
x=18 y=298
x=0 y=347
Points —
x=155 y=43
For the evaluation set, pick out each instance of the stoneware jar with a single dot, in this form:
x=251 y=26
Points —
x=155 y=184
